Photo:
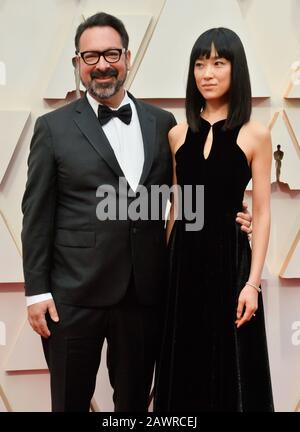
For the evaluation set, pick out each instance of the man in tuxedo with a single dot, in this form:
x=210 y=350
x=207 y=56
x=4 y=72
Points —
x=88 y=279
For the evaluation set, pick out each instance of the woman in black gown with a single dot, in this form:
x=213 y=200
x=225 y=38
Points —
x=214 y=353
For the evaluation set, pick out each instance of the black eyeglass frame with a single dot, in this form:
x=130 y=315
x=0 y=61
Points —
x=100 y=54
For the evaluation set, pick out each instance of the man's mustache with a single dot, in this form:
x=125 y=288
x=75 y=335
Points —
x=107 y=74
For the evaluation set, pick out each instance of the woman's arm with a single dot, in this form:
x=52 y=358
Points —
x=176 y=138
x=261 y=169
x=261 y=172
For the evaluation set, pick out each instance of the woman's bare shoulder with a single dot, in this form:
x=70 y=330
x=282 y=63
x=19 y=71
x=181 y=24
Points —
x=257 y=130
x=177 y=136
x=257 y=138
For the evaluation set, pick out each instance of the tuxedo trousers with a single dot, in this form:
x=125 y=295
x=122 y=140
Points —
x=73 y=353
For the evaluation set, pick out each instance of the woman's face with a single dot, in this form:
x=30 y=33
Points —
x=213 y=76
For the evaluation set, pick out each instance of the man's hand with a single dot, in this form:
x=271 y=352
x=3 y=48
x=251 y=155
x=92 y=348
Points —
x=245 y=218
x=36 y=316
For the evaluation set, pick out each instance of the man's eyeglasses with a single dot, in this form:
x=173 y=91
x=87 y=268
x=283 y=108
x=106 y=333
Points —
x=110 y=56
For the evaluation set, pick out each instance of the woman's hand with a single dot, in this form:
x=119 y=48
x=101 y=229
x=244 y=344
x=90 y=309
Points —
x=247 y=305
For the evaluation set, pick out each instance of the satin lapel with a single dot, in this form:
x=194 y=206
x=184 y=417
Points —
x=92 y=130
x=148 y=127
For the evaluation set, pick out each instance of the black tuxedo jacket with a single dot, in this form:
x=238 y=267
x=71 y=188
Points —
x=67 y=250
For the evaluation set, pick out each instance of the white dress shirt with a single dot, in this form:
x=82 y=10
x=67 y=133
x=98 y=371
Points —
x=127 y=144
x=126 y=141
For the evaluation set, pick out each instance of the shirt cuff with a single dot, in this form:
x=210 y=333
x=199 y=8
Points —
x=38 y=298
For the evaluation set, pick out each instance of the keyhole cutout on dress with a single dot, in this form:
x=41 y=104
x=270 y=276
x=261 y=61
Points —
x=208 y=144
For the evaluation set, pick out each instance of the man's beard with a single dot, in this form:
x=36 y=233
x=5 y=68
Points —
x=104 y=90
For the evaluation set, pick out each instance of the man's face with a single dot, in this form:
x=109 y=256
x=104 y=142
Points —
x=103 y=80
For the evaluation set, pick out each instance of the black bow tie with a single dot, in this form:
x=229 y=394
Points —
x=105 y=114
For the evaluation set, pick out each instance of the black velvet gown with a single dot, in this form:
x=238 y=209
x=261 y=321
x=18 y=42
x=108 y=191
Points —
x=206 y=363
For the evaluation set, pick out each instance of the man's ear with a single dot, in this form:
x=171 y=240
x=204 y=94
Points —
x=128 y=59
x=75 y=62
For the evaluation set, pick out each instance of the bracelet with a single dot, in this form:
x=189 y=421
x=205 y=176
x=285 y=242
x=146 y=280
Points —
x=258 y=289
